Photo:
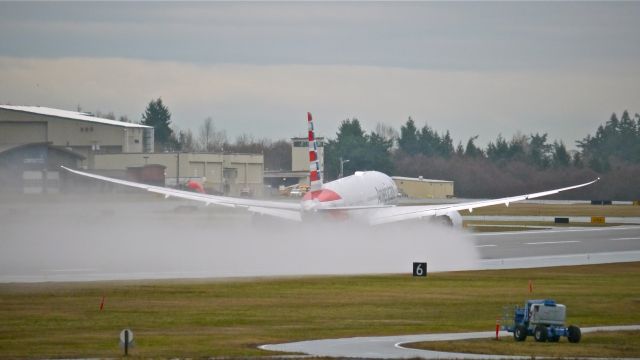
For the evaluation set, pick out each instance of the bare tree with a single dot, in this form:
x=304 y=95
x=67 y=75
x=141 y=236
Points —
x=186 y=141
x=209 y=138
x=388 y=133
x=109 y=115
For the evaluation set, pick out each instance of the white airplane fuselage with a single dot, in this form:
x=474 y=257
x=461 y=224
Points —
x=364 y=188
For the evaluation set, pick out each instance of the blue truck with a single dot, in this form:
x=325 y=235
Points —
x=542 y=319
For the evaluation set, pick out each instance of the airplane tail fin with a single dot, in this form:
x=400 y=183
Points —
x=315 y=175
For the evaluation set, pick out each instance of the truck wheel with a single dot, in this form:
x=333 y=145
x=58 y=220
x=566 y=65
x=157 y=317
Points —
x=540 y=333
x=520 y=333
x=574 y=334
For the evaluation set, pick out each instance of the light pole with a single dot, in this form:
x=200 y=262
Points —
x=342 y=162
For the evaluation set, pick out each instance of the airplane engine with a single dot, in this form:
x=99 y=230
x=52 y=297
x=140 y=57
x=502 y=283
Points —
x=453 y=219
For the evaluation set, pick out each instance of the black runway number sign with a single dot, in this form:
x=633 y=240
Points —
x=419 y=269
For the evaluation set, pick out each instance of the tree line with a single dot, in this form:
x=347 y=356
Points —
x=277 y=154
x=522 y=164
x=525 y=163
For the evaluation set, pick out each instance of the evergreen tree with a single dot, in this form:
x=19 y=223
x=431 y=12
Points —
x=446 y=145
x=617 y=139
x=518 y=148
x=364 y=152
x=472 y=150
x=499 y=151
x=539 y=150
x=379 y=153
x=408 y=141
x=158 y=116
x=429 y=141
x=560 y=157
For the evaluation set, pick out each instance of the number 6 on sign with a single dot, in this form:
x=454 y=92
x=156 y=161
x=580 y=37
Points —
x=419 y=269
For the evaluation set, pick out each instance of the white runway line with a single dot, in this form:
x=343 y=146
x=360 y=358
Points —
x=552 y=242
x=488 y=245
x=623 y=239
x=567 y=230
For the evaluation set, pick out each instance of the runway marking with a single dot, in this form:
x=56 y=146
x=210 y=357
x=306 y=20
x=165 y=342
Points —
x=552 y=242
x=511 y=233
x=623 y=239
x=70 y=270
x=488 y=245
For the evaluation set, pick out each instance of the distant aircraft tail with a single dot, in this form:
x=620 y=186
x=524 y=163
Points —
x=315 y=175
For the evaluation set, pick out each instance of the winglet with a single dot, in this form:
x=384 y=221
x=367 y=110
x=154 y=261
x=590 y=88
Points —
x=315 y=175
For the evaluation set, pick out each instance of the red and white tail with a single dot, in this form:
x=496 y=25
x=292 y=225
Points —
x=315 y=176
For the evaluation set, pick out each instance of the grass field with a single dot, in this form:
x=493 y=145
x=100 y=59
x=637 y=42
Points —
x=539 y=209
x=230 y=318
x=623 y=344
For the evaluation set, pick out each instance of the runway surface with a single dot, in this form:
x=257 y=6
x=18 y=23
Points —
x=136 y=237
x=557 y=247
x=391 y=347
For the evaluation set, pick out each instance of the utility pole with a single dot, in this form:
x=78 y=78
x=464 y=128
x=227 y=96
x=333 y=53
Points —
x=178 y=171
x=342 y=162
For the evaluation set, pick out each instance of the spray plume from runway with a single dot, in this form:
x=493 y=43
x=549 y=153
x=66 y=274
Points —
x=153 y=239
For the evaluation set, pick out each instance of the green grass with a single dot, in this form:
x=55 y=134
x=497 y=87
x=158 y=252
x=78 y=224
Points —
x=504 y=226
x=230 y=318
x=528 y=209
x=623 y=344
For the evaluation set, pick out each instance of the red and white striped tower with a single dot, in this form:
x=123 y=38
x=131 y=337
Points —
x=315 y=176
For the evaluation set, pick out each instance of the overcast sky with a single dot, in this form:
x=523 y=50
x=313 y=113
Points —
x=257 y=68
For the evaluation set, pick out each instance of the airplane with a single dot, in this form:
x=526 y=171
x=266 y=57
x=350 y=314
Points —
x=367 y=196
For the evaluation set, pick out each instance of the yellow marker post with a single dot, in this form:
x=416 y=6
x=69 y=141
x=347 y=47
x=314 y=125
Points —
x=597 y=219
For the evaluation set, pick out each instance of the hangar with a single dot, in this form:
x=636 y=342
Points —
x=76 y=131
x=424 y=188
x=110 y=147
x=35 y=168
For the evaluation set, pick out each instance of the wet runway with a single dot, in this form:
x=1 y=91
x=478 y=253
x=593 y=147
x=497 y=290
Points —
x=558 y=247
x=132 y=237
x=562 y=241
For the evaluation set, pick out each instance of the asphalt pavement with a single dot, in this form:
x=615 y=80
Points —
x=558 y=247
x=392 y=347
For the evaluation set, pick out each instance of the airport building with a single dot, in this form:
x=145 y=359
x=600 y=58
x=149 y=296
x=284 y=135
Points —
x=34 y=168
x=76 y=131
x=299 y=173
x=228 y=174
x=422 y=188
x=35 y=141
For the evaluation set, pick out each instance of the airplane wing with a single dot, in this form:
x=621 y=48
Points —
x=400 y=213
x=286 y=210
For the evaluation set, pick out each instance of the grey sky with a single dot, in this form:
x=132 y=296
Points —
x=471 y=68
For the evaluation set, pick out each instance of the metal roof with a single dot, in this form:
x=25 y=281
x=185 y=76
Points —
x=419 y=179
x=73 y=115
x=9 y=147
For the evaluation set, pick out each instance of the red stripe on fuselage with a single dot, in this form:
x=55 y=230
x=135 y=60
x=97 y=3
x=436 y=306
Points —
x=323 y=195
